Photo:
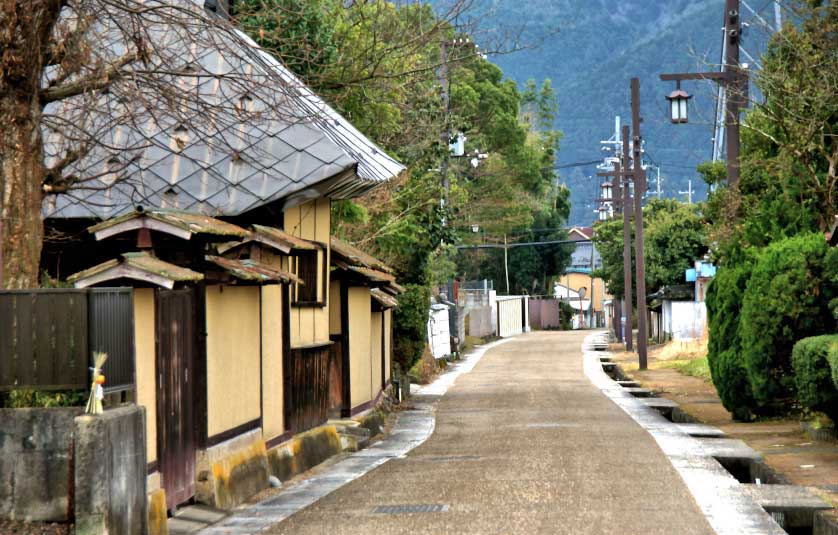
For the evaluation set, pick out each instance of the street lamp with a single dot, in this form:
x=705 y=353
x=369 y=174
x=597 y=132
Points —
x=678 y=104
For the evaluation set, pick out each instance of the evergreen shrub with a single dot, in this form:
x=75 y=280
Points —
x=410 y=321
x=815 y=362
x=724 y=349
x=787 y=299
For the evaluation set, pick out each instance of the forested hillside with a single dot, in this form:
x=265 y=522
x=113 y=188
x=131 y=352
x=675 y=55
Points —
x=591 y=49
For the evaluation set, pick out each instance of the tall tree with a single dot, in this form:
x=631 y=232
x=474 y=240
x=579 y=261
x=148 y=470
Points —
x=85 y=85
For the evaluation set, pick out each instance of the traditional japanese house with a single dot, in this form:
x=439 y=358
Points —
x=361 y=325
x=224 y=234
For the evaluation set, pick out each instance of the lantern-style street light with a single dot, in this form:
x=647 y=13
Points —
x=678 y=100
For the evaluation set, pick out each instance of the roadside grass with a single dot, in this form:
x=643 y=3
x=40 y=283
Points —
x=698 y=367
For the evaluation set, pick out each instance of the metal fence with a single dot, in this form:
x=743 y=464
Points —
x=48 y=337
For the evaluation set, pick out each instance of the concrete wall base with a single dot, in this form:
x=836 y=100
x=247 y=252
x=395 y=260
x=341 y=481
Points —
x=231 y=472
x=157 y=515
x=304 y=451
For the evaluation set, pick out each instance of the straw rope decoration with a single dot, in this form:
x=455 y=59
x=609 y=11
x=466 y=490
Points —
x=97 y=392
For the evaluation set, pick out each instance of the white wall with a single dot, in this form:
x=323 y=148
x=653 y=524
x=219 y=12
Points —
x=684 y=320
x=439 y=337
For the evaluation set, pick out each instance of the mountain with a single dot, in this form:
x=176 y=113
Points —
x=591 y=49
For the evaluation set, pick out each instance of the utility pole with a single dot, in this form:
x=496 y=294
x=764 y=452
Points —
x=689 y=192
x=734 y=79
x=627 y=209
x=639 y=188
x=778 y=16
x=506 y=263
x=445 y=137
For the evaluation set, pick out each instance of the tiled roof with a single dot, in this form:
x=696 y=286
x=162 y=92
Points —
x=384 y=299
x=136 y=263
x=218 y=159
x=272 y=237
x=251 y=270
x=187 y=222
x=354 y=256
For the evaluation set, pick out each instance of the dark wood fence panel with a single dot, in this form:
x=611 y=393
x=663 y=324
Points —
x=111 y=331
x=309 y=373
x=47 y=337
x=44 y=339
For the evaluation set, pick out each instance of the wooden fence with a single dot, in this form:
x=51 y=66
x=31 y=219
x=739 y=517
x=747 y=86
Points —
x=512 y=315
x=48 y=337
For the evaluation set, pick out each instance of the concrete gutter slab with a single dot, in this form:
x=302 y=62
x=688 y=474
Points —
x=728 y=448
x=702 y=430
x=785 y=497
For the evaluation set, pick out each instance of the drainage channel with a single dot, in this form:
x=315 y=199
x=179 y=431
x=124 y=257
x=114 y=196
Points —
x=792 y=509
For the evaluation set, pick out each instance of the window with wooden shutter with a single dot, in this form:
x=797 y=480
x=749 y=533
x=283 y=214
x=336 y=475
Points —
x=309 y=293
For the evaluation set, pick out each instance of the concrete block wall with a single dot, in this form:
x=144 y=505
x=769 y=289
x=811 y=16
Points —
x=36 y=447
x=110 y=472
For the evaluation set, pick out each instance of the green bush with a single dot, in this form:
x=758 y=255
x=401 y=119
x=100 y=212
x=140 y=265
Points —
x=787 y=299
x=815 y=362
x=565 y=316
x=727 y=367
x=410 y=325
x=27 y=397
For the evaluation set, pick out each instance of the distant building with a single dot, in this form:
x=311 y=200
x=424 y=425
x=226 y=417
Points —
x=580 y=258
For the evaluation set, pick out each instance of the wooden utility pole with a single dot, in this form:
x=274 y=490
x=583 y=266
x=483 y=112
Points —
x=627 y=300
x=734 y=80
x=639 y=189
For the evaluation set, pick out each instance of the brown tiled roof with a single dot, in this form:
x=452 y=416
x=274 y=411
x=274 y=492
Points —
x=251 y=270
x=186 y=221
x=142 y=262
x=272 y=237
x=356 y=257
x=384 y=299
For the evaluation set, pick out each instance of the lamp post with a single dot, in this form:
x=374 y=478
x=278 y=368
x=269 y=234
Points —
x=733 y=78
x=678 y=100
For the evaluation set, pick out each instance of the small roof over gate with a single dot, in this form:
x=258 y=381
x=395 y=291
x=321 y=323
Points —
x=137 y=266
x=175 y=222
x=384 y=299
x=253 y=271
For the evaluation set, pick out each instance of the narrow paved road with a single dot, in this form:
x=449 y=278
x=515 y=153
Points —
x=523 y=444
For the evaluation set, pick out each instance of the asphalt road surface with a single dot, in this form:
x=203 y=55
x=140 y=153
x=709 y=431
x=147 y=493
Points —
x=523 y=444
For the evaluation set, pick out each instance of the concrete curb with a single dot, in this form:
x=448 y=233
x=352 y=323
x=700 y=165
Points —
x=411 y=429
x=728 y=509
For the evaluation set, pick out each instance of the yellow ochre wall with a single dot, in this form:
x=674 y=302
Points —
x=272 y=408
x=311 y=220
x=376 y=339
x=575 y=281
x=388 y=343
x=334 y=307
x=144 y=350
x=359 y=345
x=232 y=356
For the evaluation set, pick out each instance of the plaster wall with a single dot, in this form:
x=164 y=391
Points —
x=388 y=344
x=376 y=340
x=311 y=220
x=272 y=393
x=359 y=345
x=145 y=351
x=334 y=307
x=233 y=346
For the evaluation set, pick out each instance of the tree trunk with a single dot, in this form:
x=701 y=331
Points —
x=25 y=27
x=21 y=176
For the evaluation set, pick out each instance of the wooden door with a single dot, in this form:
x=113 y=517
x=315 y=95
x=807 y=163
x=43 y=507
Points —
x=175 y=426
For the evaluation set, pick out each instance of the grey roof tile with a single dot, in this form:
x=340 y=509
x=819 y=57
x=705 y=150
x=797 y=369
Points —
x=282 y=151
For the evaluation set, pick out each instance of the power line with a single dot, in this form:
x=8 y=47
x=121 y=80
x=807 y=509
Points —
x=521 y=244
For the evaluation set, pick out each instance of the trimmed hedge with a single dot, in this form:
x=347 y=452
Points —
x=787 y=298
x=815 y=362
x=410 y=322
x=727 y=367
